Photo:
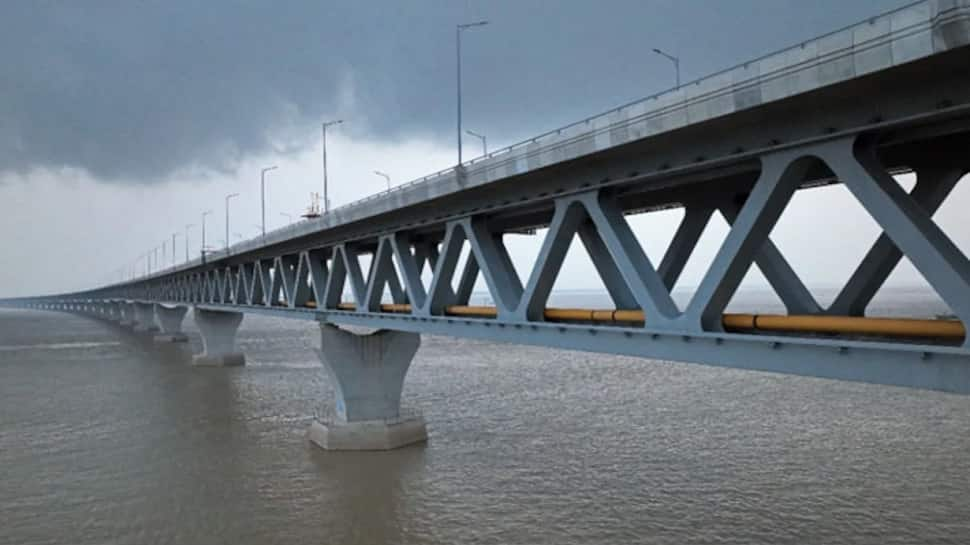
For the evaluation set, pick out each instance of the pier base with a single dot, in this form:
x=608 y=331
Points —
x=373 y=435
x=368 y=375
x=218 y=331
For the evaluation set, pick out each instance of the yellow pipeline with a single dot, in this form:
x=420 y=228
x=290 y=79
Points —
x=889 y=327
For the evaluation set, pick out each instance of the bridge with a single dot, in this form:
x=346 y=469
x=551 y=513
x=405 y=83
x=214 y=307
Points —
x=855 y=107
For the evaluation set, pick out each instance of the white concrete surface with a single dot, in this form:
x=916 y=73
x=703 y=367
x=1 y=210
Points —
x=367 y=372
x=367 y=435
x=218 y=331
x=169 y=320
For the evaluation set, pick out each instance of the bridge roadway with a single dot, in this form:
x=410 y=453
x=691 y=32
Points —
x=888 y=95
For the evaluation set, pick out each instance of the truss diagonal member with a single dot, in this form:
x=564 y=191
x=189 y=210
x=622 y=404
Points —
x=634 y=266
x=316 y=263
x=783 y=279
x=933 y=185
x=410 y=269
x=682 y=246
x=228 y=285
x=301 y=286
x=263 y=281
x=336 y=280
x=285 y=271
x=242 y=287
x=425 y=251
x=565 y=222
x=781 y=174
x=357 y=284
x=276 y=291
x=466 y=283
x=911 y=229
x=440 y=293
x=495 y=264
x=382 y=274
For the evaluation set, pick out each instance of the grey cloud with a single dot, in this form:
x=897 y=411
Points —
x=134 y=91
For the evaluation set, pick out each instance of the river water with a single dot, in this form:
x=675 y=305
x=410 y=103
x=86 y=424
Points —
x=107 y=439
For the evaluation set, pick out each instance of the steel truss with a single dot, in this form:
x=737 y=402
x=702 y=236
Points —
x=309 y=283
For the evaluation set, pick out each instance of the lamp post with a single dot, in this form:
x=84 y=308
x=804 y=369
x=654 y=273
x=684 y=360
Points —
x=289 y=217
x=323 y=127
x=482 y=138
x=229 y=196
x=386 y=177
x=458 y=30
x=187 y=227
x=262 y=194
x=672 y=59
x=173 y=248
x=202 y=250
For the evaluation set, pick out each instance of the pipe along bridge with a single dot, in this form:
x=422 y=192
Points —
x=855 y=107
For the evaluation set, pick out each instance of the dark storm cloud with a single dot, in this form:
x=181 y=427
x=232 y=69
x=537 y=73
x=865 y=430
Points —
x=136 y=90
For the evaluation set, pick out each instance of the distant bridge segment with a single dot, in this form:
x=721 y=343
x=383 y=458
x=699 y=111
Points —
x=854 y=107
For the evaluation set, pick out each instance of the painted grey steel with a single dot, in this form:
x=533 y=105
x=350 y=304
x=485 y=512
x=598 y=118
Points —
x=202 y=249
x=229 y=196
x=386 y=177
x=458 y=30
x=852 y=107
x=323 y=130
x=673 y=59
x=187 y=227
x=482 y=138
x=262 y=195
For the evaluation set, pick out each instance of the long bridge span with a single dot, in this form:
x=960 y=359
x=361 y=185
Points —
x=854 y=107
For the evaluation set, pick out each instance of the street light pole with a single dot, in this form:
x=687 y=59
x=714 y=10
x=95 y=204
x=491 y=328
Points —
x=323 y=127
x=187 y=227
x=289 y=217
x=458 y=30
x=173 y=249
x=262 y=194
x=386 y=177
x=672 y=59
x=204 y=214
x=229 y=196
x=482 y=138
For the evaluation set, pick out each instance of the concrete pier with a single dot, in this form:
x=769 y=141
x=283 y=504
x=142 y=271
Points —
x=218 y=331
x=169 y=320
x=368 y=375
x=126 y=311
x=145 y=318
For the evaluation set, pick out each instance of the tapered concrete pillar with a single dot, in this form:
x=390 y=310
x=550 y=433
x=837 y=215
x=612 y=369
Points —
x=113 y=311
x=145 y=318
x=127 y=311
x=218 y=331
x=169 y=320
x=368 y=375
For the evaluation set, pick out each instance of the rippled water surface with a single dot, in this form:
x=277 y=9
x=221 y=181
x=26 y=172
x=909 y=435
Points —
x=105 y=438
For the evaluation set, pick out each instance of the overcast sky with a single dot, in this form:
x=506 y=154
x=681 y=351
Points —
x=120 y=122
